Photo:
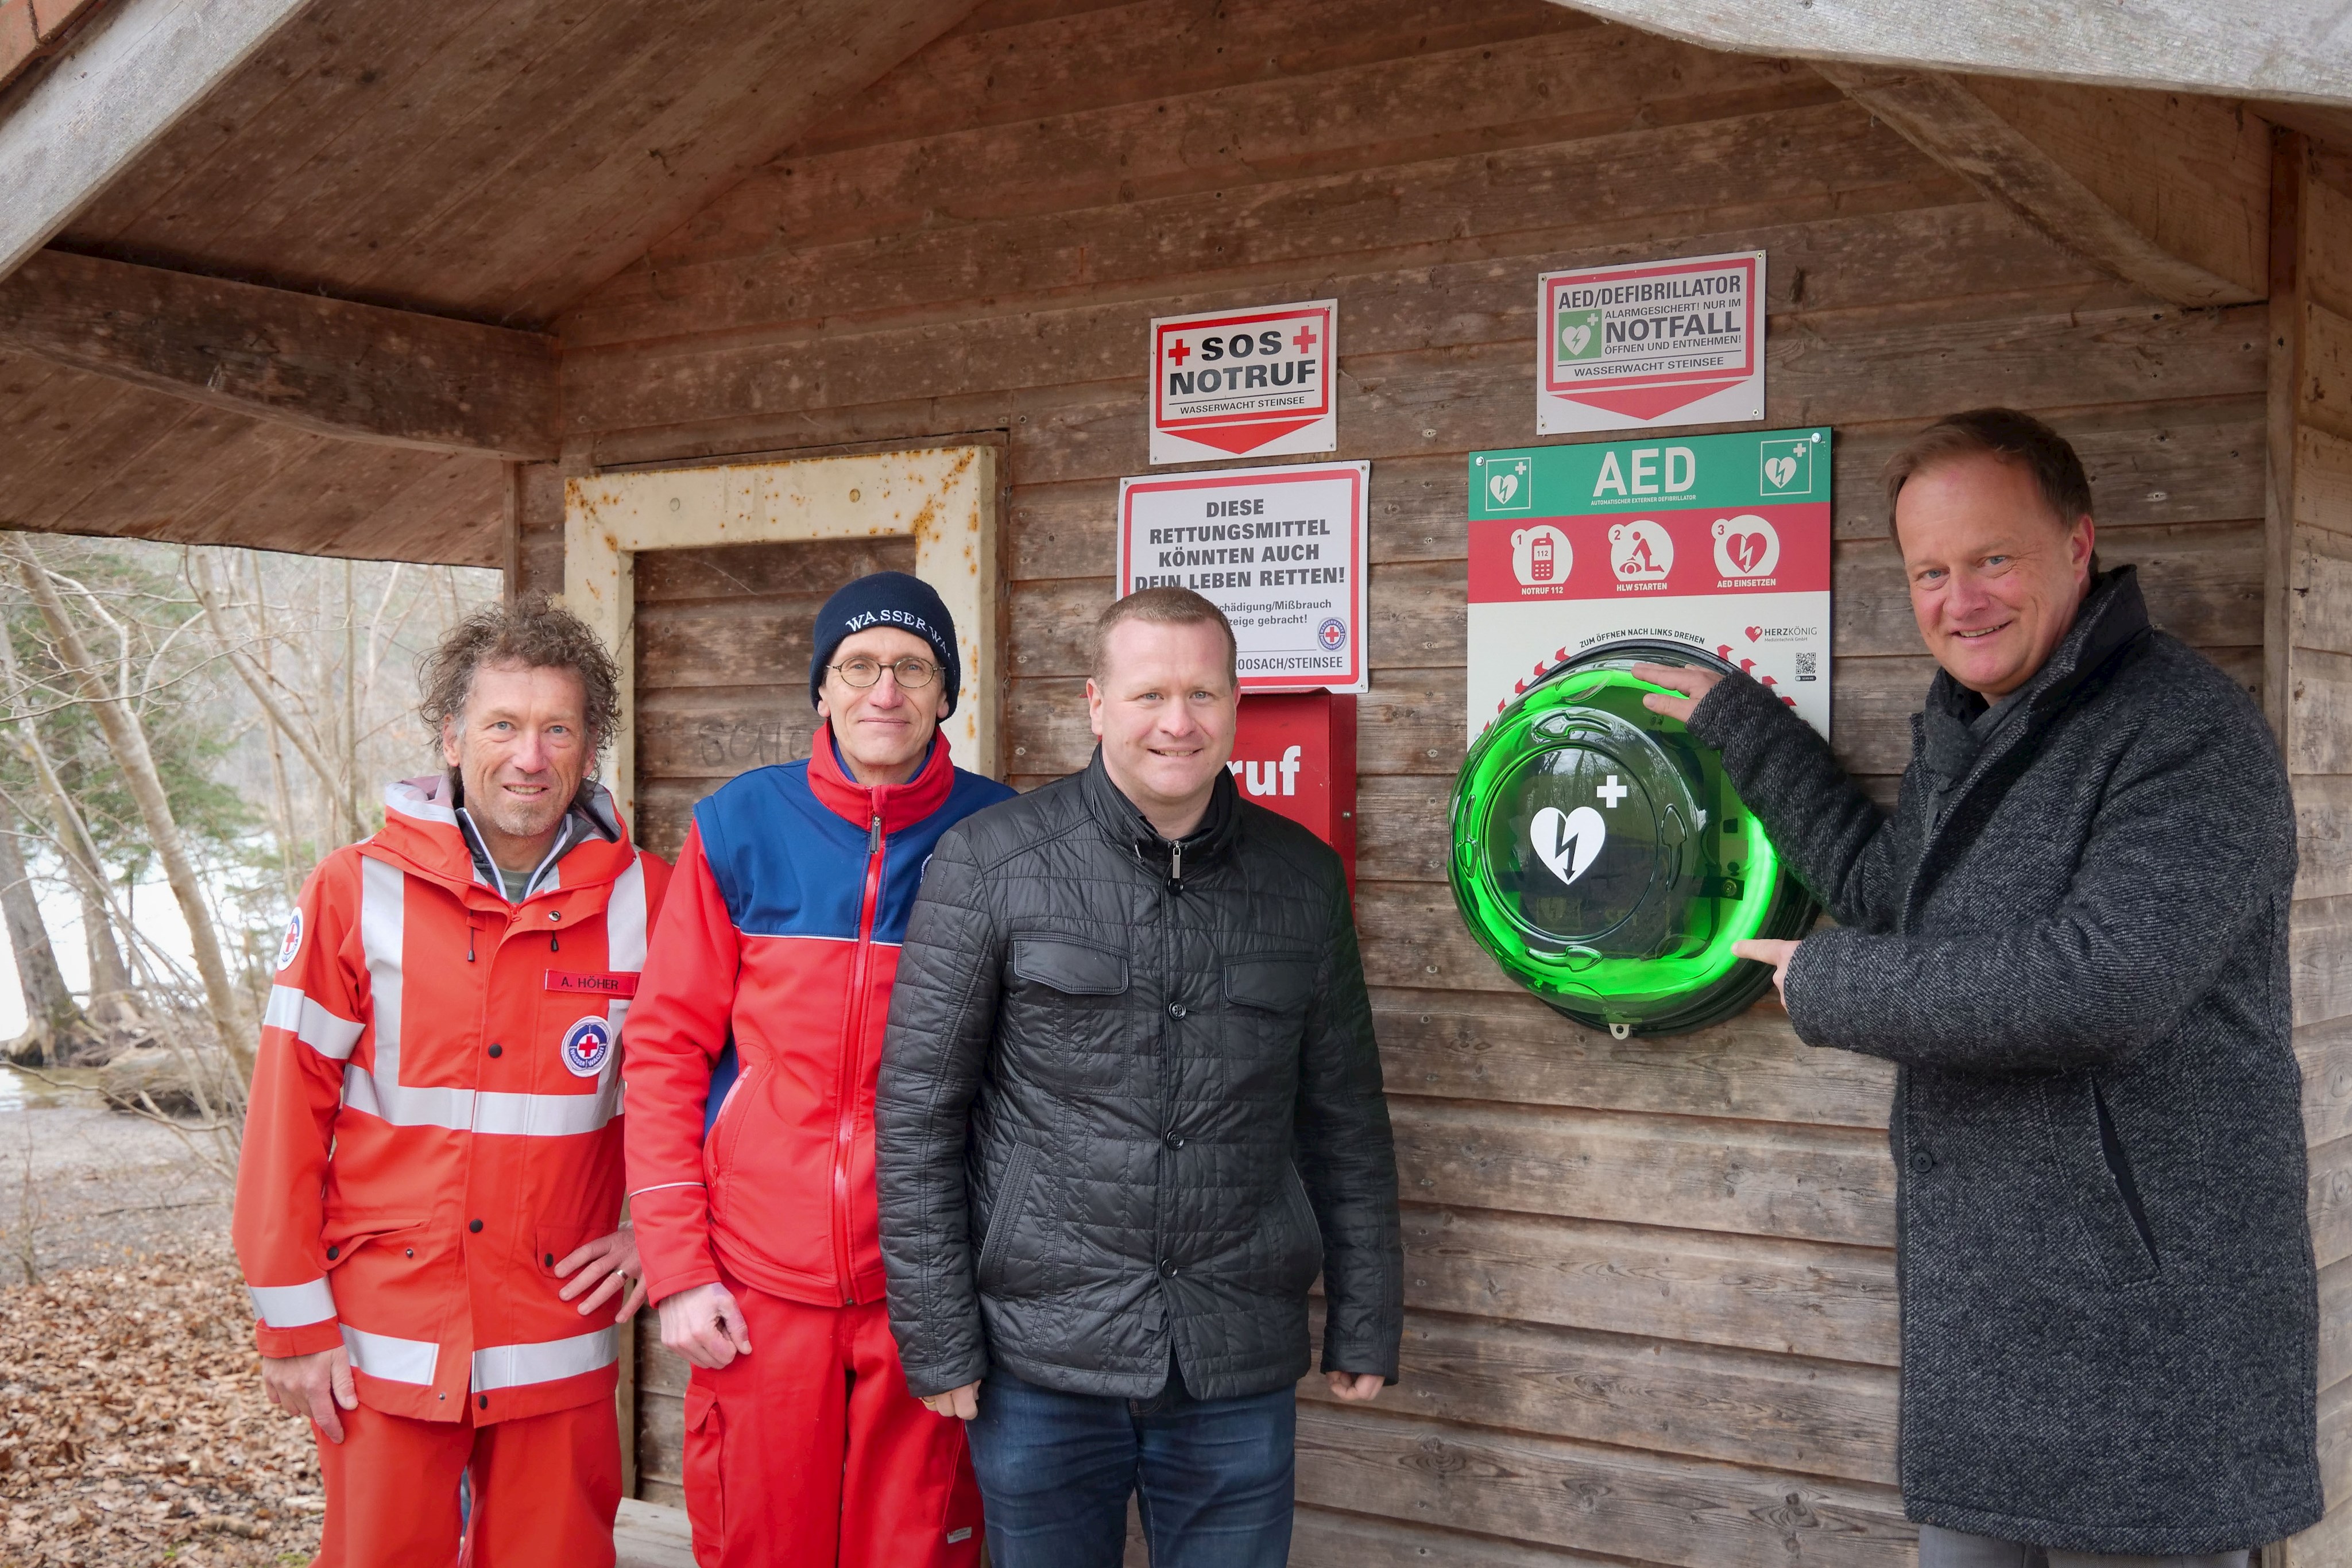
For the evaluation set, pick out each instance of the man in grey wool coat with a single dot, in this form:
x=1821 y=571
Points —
x=2070 y=937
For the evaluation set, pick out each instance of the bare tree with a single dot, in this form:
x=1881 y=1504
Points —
x=126 y=739
x=56 y=1029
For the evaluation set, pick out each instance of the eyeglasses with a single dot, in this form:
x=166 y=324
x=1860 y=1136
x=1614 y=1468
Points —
x=912 y=674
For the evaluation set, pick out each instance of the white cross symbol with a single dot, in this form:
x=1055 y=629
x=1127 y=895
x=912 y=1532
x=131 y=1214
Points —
x=1612 y=792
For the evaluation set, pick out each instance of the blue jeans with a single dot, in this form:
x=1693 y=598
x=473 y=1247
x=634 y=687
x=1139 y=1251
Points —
x=1055 y=1471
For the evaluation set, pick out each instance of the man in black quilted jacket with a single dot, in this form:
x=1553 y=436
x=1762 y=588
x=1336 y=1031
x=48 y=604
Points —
x=1129 y=1109
x=2070 y=937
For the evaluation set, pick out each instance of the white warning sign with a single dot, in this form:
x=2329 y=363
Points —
x=1244 y=383
x=1657 y=343
x=1282 y=551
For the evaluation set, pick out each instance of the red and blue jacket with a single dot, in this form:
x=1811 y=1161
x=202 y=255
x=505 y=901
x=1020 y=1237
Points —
x=752 y=1046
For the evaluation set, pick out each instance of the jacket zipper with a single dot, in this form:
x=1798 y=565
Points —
x=852 y=1052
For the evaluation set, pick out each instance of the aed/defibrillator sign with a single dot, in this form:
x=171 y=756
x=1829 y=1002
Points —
x=1281 y=551
x=1721 y=542
x=1624 y=347
x=1236 y=383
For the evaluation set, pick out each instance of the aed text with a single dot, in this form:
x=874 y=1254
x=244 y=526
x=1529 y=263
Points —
x=1713 y=285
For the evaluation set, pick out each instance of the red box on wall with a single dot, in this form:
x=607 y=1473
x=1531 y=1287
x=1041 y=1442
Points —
x=1294 y=753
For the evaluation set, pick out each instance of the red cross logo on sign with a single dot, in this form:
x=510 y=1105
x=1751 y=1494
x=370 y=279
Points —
x=1182 y=351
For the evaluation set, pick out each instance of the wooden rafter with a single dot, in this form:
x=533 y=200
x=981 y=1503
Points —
x=140 y=67
x=2167 y=193
x=329 y=366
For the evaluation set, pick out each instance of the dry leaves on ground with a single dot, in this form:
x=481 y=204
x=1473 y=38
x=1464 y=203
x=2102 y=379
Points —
x=133 y=1430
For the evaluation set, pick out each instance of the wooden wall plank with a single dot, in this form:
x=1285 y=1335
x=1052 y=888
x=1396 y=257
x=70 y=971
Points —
x=1110 y=54
x=2319 y=698
x=1326 y=1538
x=2321 y=960
x=1810 y=1417
x=2331 y=1200
x=1834 y=1303
x=1747 y=1178
x=2323 y=481
x=1507 y=1046
x=1606 y=1500
x=1400 y=109
x=2323 y=814
x=2320 y=612
x=2324 y=394
x=1719 y=167
x=2324 y=1051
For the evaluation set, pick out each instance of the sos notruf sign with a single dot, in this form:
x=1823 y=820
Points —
x=1717 y=542
x=1650 y=343
x=1244 y=383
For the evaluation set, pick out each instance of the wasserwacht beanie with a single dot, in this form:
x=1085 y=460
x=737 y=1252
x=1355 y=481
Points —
x=891 y=599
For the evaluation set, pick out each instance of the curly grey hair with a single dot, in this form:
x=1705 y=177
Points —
x=533 y=633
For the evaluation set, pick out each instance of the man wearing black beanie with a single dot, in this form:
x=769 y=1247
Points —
x=750 y=1059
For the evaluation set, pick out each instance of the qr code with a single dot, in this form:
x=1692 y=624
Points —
x=1805 y=669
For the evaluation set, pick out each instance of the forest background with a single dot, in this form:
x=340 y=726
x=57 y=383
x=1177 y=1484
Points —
x=184 y=733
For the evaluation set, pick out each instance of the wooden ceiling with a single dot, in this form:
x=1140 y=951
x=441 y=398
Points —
x=487 y=160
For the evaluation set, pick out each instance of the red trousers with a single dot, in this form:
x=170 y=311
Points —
x=809 y=1453
x=545 y=1490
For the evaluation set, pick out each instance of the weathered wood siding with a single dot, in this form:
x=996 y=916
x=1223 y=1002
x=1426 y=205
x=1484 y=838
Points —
x=1651 y=1283
x=2310 y=666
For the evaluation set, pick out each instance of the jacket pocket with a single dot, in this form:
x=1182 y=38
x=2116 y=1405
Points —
x=2096 y=1171
x=552 y=1244
x=1004 y=1214
x=1270 y=984
x=1304 y=1262
x=704 y=1474
x=1072 y=968
x=727 y=1130
x=1066 y=1006
x=345 y=1238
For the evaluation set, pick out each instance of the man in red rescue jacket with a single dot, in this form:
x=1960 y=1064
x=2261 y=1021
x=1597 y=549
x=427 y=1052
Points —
x=433 y=1144
x=752 y=1053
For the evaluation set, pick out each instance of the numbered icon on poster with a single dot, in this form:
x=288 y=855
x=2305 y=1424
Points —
x=1641 y=551
x=1746 y=546
x=1541 y=555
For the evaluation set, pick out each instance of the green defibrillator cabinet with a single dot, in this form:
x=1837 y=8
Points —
x=1603 y=859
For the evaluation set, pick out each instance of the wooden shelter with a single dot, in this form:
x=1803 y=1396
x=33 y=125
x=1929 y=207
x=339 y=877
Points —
x=376 y=280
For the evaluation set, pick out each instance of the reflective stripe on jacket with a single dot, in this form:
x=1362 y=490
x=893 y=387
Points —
x=434 y=1117
x=782 y=940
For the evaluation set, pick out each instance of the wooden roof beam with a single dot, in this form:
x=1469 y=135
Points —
x=359 y=372
x=2169 y=192
x=139 y=67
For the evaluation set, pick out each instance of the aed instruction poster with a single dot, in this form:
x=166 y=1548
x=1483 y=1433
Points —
x=1719 y=542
